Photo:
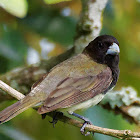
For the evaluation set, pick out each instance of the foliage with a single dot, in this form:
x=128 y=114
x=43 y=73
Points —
x=54 y=1
x=17 y=8
x=48 y=30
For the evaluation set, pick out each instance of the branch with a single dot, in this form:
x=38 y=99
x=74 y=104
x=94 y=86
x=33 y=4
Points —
x=11 y=91
x=90 y=24
x=125 y=102
x=122 y=134
x=23 y=78
x=88 y=28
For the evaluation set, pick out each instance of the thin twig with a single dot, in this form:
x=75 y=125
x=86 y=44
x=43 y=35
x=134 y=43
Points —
x=122 y=134
x=11 y=91
x=91 y=26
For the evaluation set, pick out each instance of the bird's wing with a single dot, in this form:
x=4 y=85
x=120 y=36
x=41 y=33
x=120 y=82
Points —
x=73 y=90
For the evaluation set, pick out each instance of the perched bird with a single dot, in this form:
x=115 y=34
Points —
x=76 y=83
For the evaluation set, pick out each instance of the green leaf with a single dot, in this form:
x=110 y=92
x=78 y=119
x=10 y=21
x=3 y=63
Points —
x=15 y=7
x=54 y=1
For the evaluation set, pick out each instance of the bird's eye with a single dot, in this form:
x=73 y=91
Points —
x=100 y=44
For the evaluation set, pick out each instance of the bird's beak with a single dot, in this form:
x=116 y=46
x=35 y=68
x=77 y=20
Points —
x=113 y=49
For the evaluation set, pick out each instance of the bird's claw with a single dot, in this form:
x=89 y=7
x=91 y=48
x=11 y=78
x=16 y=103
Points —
x=54 y=121
x=86 y=121
x=55 y=117
x=82 y=130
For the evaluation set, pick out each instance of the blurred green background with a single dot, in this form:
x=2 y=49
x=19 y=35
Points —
x=48 y=30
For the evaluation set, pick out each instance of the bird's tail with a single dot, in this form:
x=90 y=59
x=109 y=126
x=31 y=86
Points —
x=17 y=108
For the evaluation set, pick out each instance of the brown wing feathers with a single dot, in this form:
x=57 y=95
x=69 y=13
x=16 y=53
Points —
x=76 y=90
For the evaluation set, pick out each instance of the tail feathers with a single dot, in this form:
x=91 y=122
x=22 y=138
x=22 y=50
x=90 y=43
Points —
x=15 y=109
x=9 y=112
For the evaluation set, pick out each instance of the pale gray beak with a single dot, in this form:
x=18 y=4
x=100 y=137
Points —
x=113 y=49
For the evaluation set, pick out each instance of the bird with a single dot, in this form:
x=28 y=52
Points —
x=75 y=84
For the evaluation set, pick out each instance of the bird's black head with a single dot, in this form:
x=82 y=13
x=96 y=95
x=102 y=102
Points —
x=104 y=49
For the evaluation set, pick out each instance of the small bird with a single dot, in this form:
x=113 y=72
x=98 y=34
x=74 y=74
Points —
x=77 y=83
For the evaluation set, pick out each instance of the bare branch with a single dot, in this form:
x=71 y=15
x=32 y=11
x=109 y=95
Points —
x=90 y=23
x=122 y=134
x=88 y=28
x=11 y=91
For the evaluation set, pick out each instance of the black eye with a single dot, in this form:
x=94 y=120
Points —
x=100 y=44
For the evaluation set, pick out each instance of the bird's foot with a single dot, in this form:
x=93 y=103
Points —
x=86 y=121
x=82 y=130
x=55 y=118
x=54 y=121
x=43 y=116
